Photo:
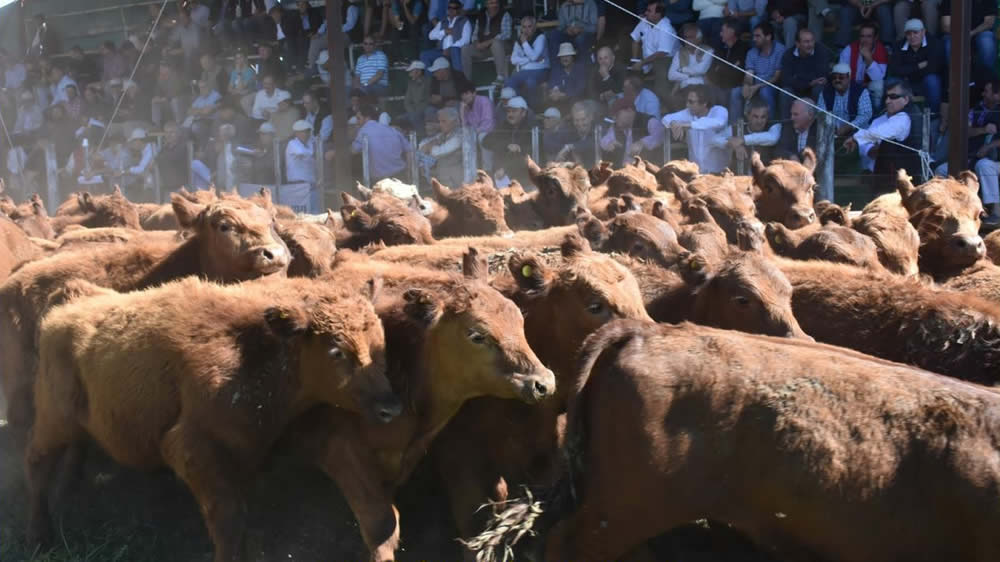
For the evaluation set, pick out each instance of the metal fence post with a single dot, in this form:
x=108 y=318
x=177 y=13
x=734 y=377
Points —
x=824 y=153
x=411 y=161
x=741 y=164
x=597 y=144
x=157 y=182
x=226 y=169
x=534 y=144
x=668 y=148
x=365 y=160
x=190 y=159
x=320 y=169
x=469 y=154
x=925 y=141
x=52 y=175
x=276 y=149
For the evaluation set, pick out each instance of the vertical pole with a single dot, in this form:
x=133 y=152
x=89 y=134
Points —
x=226 y=172
x=741 y=165
x=824 y=154
x=318 y=163
x=534 y=145
x=468 y=154
x=925 y=140
x=958 y=104
x=121 y=12
x=411 y=159
x=51 y=175
x=157 y=181
x=668 y=148
x=597 y=144
x=276 y=150
x=365 y=161
x=338 y=97
x=190 y=159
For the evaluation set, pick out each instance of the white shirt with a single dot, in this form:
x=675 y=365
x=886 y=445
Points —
x=647 y=102
x=59 y=90
x=262 y=102
x=710 y=158
x=281 y=32
x=326 y=128
x=767 y=137
x=655 y=39
x=695 y=70
x=533 y=56
x=14 y=76
x=300 y=161
x=453 y=143
x=875 y=70
x=148 y=153
x=29 y=118
x=440 y=33
x=896 y=128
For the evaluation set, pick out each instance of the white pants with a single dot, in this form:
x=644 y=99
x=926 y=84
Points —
x=987 y=170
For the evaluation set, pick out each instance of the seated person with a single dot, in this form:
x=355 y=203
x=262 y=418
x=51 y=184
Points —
x=800 y=133
x=896 y=124
x=632 y=135
x=441 y=155
x=920 y=61
x=567 y=80
x=608 y=78
x=761 y=134
x=450 y=34
x=581 y=146
x=847 y=100
x=510 y=143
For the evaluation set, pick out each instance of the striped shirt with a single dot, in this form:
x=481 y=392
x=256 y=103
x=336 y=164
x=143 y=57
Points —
x=762 y=66
x=369 y=65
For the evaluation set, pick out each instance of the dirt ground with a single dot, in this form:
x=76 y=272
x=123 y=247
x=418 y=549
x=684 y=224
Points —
x=295 y=513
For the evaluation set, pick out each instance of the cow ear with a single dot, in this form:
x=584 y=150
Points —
x=528 y=272
x=372 y=288
x=286 y=321
x=349 y=199
x=265 y=196
x=574 y=245
x=905 y=187
x=749 y=236
x=614 y=207
x=187 y=212
x=533 y=170
x=758 y=167
x=659 y=210
x=355 y=219
x=693 y=268
x=365 y=192
x=484 y=178
x=593 y=230
x=421 y=306
x=118 y=191
x=809 y=159
x=85 y=200
x=474 y=265
x=969 y=179
x=331 y=218
x=600 y=173
x=778 y=237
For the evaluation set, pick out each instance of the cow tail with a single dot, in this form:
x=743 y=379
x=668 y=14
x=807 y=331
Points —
x=528 y=515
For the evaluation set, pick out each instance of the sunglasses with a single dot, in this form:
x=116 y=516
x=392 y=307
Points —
x=893 y=96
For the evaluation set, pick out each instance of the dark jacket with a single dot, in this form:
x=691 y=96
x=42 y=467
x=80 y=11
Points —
x=503 y=135
x=788 y=143
x=905 y=64
x=615 y=81
x=798 y=71
x=891 y=157
x=725 y=76
x=787 y=8
x=853 y=95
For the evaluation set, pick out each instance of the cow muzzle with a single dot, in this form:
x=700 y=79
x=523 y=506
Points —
x=270 y=259
x=968 y=249
x=386 y=407
x=537 y=386
x=799 y=217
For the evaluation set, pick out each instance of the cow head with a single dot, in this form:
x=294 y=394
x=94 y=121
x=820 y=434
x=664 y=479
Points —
x=236 y=239
x=476 y=337
x=341 y=349
x=564 y=304
x=833 y=243
x=562 y=188
x=947 y=214
x=637 y=234
x=383 y=219
x=108 y=210
x=311 y=247
x=632 y=179
x=475 y=209
x=746 y=292
x=786 y=190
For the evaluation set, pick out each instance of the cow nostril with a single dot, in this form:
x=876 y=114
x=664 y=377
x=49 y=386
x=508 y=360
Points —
x=540 y=388
x=267 y=255
x=811 y=217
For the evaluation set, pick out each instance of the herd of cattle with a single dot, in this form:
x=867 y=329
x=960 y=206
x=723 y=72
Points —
x=650 y=345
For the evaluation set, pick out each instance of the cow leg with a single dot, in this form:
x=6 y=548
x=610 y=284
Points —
x=48 y=441
x=352 y=466
x=209 y=472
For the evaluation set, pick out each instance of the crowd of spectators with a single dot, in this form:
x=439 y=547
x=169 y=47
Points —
x=236 y=91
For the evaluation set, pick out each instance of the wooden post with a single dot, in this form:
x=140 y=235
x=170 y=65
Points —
x=338 y=102
x=958 y=104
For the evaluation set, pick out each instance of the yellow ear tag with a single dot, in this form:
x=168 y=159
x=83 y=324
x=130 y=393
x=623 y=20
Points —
x=527 y=271
x=779 y=238
x=283 y=314
x=694 y=264
x=354 y=213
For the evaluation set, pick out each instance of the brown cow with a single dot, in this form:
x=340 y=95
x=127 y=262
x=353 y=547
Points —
x=701 y=234
x=15 y=247
x=448 y=339
x=947 y=215
x=492 y=443
x=897 y=318
x=744 y=292
x=94 y=211
x=633 y=233
x=112 y=234
x=831 y=242
x=729 y=199
x=887 y=222
x=831 y=213
x=33 y=218
x=992 y=243
x=382 y=219
x=786 y=189
x=231 y=240
x=474 y=209
x=203 y=379
x=311 y=247
x=562 y=187
x=811 y=450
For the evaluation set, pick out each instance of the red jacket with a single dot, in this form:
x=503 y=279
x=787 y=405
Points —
x=880 y=56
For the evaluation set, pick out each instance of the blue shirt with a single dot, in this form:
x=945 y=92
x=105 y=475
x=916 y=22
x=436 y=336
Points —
x=571 y=83
x=762 y=66
x=390 y=157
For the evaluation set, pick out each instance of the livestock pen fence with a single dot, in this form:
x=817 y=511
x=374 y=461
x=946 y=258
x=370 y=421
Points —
x=231 y=168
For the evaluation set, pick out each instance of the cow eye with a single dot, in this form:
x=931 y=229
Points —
x=335 y=352
x=982 y=215
x=638 y=247
x=595 y=308
x=225 y=227
x=741 y=300
x=477 y=337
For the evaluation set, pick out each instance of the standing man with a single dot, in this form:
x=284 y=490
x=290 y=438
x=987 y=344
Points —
x=700 y=125
x=392 y=147
x=655 y=39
